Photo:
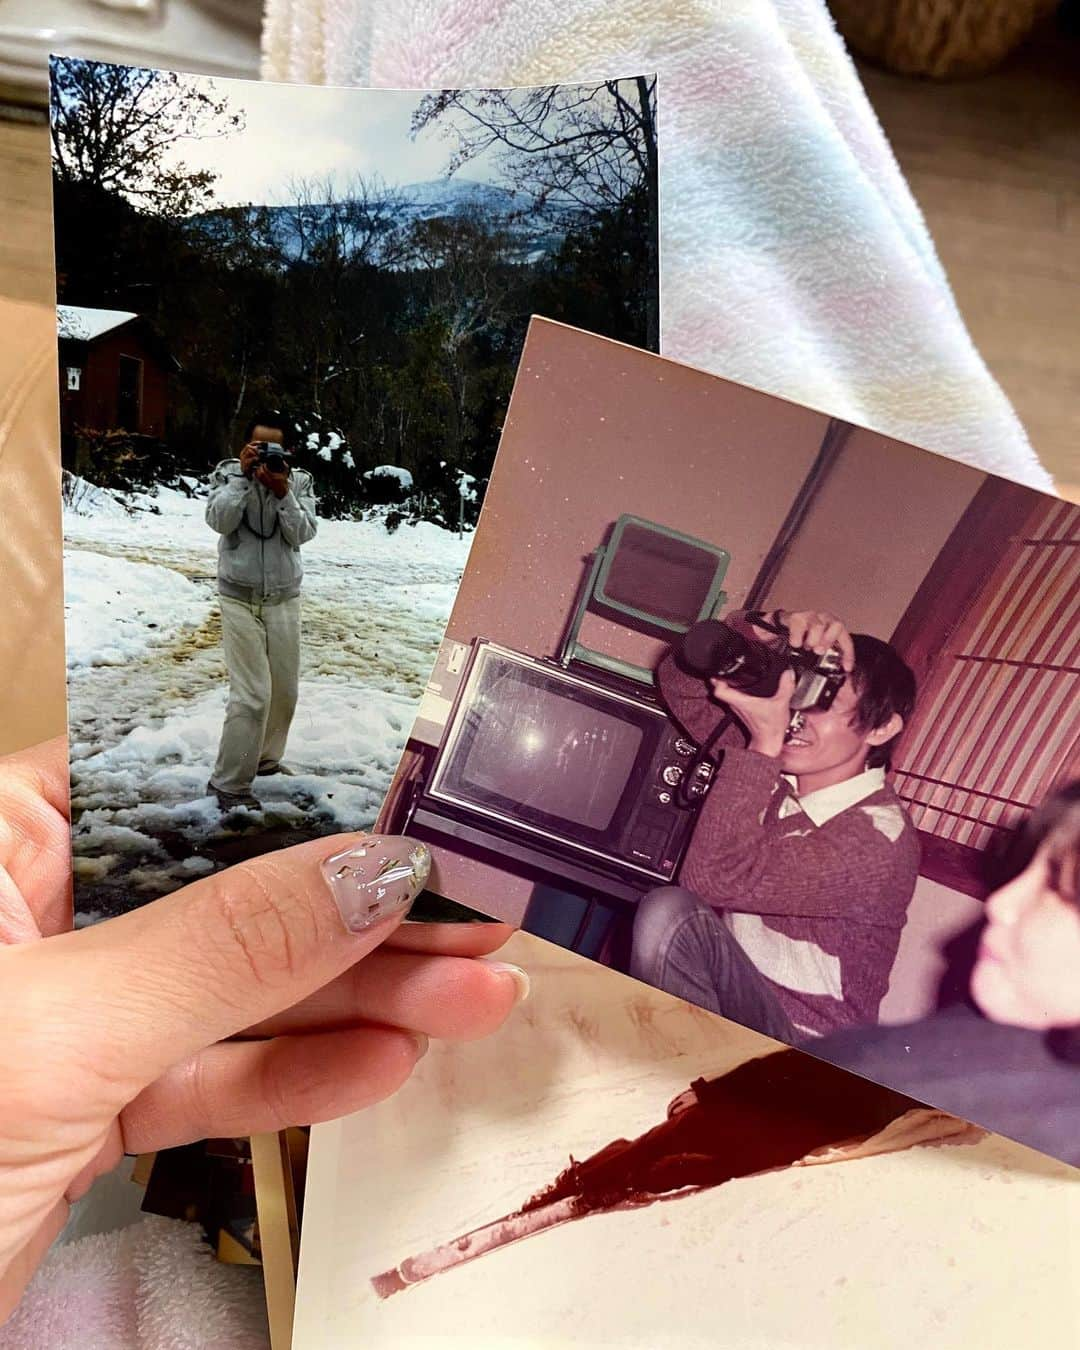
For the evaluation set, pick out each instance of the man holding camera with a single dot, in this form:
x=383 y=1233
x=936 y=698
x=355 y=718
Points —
x=796 y=884
x=264 y=511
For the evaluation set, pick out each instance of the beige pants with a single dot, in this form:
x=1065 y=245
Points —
x=262 y=656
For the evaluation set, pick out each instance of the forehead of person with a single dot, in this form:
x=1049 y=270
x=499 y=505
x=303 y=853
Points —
x=273 y=435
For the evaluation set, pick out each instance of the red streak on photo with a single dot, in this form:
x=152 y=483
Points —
x=774 y=1112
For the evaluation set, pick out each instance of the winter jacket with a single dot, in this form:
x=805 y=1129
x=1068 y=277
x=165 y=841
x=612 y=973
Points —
x=261 y=534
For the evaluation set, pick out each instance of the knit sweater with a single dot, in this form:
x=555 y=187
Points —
x=814 y=889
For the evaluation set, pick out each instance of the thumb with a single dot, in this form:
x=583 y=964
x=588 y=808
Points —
x=161 y=983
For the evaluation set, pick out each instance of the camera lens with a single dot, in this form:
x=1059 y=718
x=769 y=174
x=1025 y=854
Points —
x=712 y=648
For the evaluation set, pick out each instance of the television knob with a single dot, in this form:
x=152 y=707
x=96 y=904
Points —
x=664 y=798
x=683 y=747
x=672 y=775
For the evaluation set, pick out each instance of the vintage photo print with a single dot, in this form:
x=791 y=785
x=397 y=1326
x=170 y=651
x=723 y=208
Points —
x=289 y=320
x=615 y=1138
x=777 y=715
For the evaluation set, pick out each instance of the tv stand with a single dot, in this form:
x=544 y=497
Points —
x=527 y=859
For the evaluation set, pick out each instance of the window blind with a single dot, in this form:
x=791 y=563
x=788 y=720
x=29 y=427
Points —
x=998 y=722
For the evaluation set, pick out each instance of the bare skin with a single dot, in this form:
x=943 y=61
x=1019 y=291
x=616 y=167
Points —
x=238 y=1004
x=278 y=483
x=829 y=747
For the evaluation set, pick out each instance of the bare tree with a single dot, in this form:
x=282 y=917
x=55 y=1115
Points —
x=466 y=259
x=568 y=147
x=113 y=126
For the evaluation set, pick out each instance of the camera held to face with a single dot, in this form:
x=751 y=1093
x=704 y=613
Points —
x=272 y=456
x=714 y=649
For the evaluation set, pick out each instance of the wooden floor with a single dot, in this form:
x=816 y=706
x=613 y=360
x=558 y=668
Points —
x=994 y=164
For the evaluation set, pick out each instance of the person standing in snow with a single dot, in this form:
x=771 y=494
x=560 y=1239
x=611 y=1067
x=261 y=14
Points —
x=264 y=510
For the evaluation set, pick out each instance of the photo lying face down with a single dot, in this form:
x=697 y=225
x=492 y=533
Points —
x=742 y=701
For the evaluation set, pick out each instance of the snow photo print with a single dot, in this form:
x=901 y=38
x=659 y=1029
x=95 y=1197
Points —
x=758 y=707
x=289 y=320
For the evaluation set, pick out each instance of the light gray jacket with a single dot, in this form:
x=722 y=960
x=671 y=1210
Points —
x=259 y=549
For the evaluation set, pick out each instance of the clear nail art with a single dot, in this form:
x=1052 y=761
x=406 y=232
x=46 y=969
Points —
x=379 y=875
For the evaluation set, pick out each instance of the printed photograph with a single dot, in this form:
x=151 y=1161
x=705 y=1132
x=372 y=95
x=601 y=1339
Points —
x=615 y=1138
x=767 y=710
x=284 y=368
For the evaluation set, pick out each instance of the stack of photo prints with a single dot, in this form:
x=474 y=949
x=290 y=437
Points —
x=760 y=726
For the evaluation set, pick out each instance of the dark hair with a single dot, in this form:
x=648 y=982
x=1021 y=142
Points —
x=1053 y=827
x=271 y=418
x=885 y=685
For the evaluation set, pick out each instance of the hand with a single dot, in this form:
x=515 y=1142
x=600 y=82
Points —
x=766 y=719
x=236 y=1005
x=248 y=457
x=685 y=1101
x=818 y=631
x=278 y=483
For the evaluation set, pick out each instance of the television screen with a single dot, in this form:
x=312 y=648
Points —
x=661 y=575
x=545 y=753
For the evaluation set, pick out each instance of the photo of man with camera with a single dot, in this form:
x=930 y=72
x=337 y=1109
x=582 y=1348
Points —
x=264 y=510
x=796 y=883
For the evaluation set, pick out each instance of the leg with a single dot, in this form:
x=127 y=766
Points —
x=244 y=640
x=283 y=650
x=682 y=946
x=568 y=919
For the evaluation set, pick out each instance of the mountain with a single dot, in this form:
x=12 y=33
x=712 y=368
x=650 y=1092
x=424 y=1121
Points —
x=535 y=233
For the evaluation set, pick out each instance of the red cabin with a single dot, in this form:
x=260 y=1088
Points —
x=114 y=373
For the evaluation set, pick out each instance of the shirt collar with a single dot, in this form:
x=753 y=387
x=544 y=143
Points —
x=824 y=803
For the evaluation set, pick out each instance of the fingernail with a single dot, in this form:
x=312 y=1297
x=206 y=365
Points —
x=379 y=875
x=422 y=1043
x=522 y=984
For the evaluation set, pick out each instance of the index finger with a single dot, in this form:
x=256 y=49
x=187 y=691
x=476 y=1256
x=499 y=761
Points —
x=839 y=636
x=224 y=952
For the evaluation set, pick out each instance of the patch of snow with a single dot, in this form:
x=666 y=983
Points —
x=115 y=608
x=343 y=749
x=86 y=918
x=82 y=323
x=87 y=499
x=145 y=731
x=403 y=476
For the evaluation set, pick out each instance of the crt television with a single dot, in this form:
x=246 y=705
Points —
x=550 y=767
x=648 y=577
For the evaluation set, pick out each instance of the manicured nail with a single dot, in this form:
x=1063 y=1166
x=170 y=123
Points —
x=379 y=875
x=520 y=978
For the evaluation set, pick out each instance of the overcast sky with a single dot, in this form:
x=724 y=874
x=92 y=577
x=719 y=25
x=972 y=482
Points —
x=294 y=131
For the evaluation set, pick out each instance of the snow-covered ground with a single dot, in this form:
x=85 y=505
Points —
x=147 y=688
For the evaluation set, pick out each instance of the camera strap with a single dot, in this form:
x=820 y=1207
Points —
x=704 y=755
x=758 y=619
x=251 y=528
